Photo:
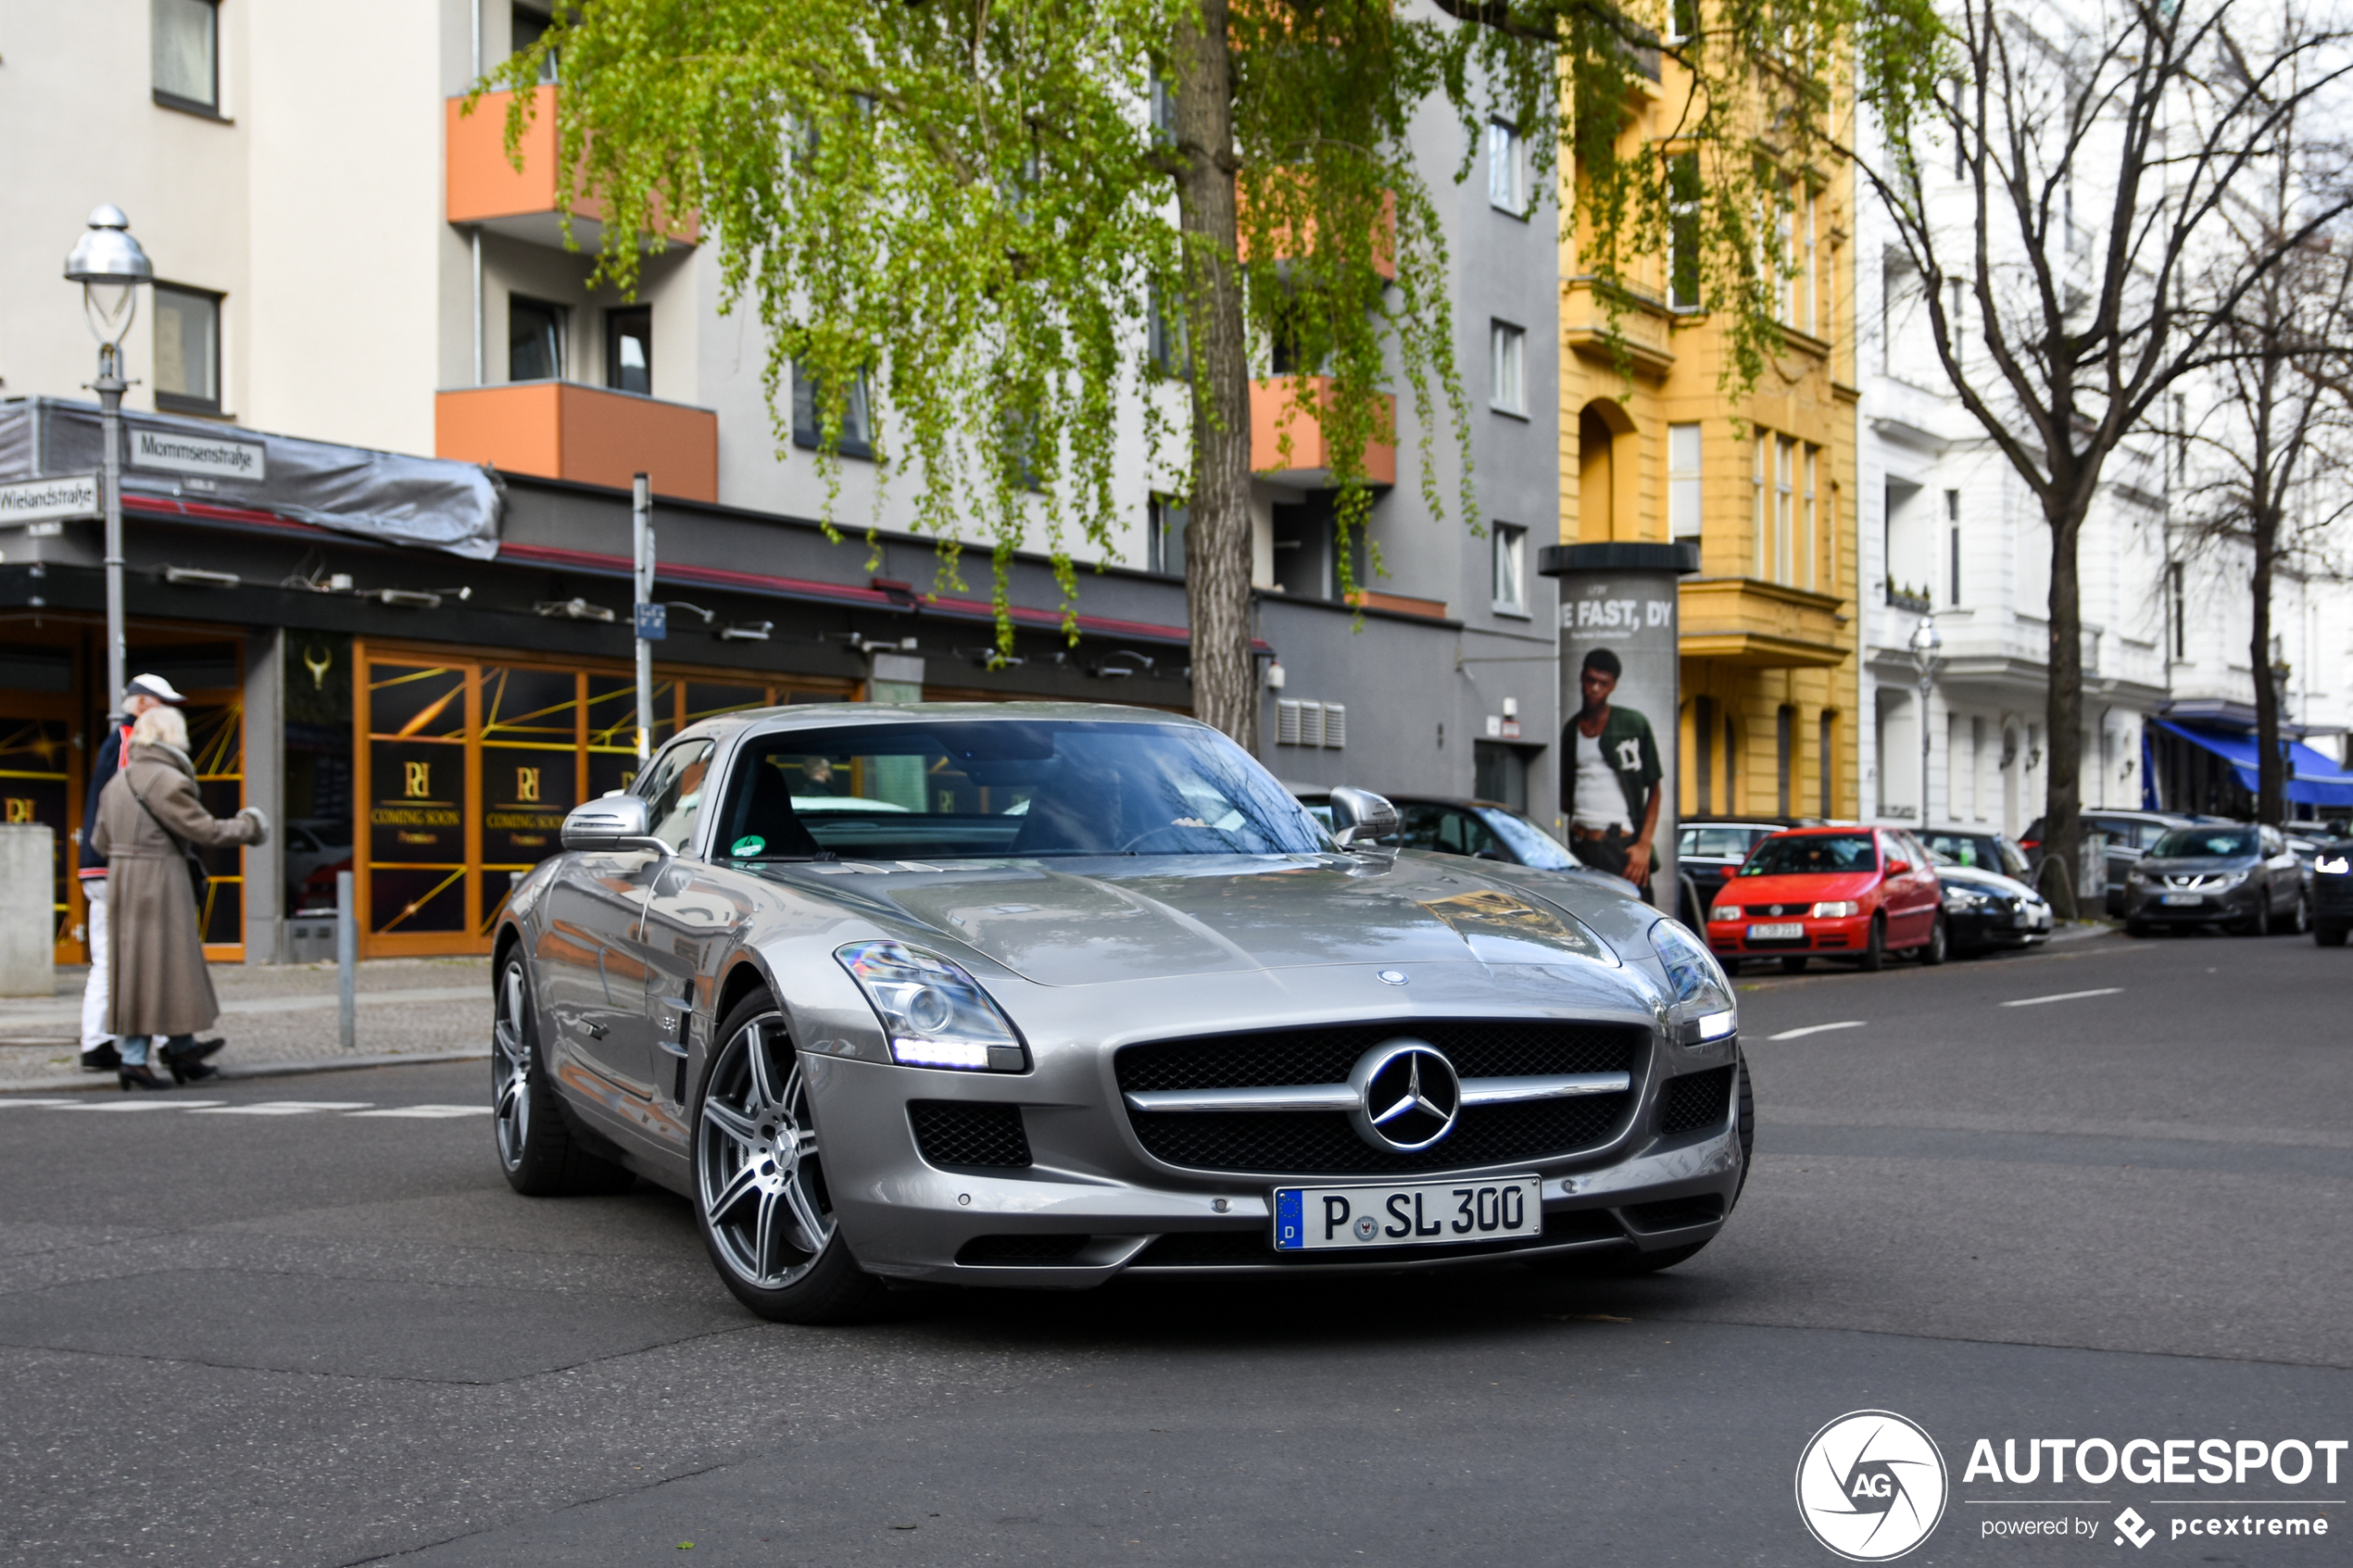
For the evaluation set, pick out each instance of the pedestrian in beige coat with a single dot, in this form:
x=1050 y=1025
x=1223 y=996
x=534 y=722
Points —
x=159 y=984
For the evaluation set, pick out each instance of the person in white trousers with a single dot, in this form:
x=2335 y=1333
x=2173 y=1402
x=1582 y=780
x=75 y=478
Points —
x=99 y=1053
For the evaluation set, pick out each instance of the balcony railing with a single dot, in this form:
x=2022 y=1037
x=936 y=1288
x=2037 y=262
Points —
x=561 y=430
x=484 y=189
x=1308 y=465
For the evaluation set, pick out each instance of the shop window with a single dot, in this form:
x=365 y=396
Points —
x=37 y=785
x=418 y=795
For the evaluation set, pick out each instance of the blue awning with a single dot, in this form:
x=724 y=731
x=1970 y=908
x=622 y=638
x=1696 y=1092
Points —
x=2314 y=779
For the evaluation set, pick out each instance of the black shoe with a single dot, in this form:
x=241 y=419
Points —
x=138 y=1076
x=106 y=1058
x=198 y=1050
x=186 y=1069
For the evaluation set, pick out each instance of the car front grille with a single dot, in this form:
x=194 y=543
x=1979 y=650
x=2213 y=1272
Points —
x=1695 y=1100
x=953 y=1133
x=1324 y=1142
x=2333 y=893
x=1018 y=1252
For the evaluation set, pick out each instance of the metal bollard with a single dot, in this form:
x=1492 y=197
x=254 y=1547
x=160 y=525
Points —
x=347 y=963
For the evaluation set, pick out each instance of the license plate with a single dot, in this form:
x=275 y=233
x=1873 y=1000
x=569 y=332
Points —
x=2180 y=899
x=2023 y=921
x=1408 y=1214
x=1779 y=931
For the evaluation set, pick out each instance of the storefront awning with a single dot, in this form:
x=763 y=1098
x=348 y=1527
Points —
x=2314 y=779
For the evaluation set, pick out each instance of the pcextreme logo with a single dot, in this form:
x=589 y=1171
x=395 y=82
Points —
x=1871 y=1486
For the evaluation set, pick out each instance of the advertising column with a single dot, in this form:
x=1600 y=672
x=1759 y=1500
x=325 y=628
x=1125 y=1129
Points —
x=1619 y=685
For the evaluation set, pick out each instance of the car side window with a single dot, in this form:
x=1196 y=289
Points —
x=674 y=791
x=1418 y=826
x=2271 y=842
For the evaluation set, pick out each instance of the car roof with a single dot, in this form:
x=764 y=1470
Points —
x=1832 y=827
x=835 y=715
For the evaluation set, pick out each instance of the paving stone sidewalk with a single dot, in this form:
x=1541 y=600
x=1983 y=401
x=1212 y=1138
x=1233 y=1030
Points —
x=271 y=1014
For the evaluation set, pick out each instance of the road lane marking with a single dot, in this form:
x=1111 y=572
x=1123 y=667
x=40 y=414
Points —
x=283 y=1107
x=426 y=1113
x=147 y=1105
x=8 y=1100
x=2063 y=997
x=1815 y=1029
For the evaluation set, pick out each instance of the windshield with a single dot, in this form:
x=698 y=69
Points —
x=1532 y=844
x=1812 y=853
x=2202 y=844
x=1006 y=788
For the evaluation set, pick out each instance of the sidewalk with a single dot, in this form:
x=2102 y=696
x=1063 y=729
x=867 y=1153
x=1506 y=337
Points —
x=272 y=1014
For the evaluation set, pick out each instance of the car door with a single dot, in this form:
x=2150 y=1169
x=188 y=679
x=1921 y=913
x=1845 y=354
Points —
x=1909 y=913
x=2281 y=875
x=689 y=912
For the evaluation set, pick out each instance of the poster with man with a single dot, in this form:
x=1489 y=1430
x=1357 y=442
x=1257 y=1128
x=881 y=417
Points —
x=1619 y=673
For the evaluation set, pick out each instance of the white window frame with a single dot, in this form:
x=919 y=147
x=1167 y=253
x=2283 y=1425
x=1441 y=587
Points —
x=1507 y=368
x=1759 y=449
x=168 y=399
x=1508 y=576
x=1813 y=535
x=1784 y=481
x=1683 y=494
x=1506 y=169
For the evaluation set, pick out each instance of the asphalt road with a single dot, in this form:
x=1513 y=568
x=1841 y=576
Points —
x=331 y=1334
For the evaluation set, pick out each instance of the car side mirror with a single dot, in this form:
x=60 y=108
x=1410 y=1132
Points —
x=617 y=821
x=1899 y=867
x=1359 y=816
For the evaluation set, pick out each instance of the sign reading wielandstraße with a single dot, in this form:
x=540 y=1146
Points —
x=58 y=495
x=207 y=456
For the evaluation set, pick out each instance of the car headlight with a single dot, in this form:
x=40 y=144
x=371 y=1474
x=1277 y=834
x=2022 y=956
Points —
x=934 y=1013
x=2229 y=880
x=2332 y=865
x=2136 y=877
x=1703 y=1009
x=1961 y=901
x=1837 y=908
x=1725 y=911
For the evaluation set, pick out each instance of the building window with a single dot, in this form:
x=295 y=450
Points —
x=1164 y=543
x=2179 y=601
x=1784 y=503
x=1829 y=748
x=187 y=55
x=1810 y=295
x=1682 y=482
x=1785 y=742
x=528 y=28
x=1510 y=544
x=1759 y=510
x=187 y=350
x=1813 y=543
x=535 y=339
x=1682 y=231
x=1702 y=754
x=1508 y=347
x=1507 y=182
x=808 y=420
x=1164 y=342
x=1952 y=531
x=629 y=350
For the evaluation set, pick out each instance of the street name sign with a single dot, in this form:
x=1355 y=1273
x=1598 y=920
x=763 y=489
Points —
x=44 y=500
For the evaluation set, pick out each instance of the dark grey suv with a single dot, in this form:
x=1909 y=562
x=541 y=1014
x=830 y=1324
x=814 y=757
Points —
x=2225 y=874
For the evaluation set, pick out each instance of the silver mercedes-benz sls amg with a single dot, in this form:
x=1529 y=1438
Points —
x=1036 y=995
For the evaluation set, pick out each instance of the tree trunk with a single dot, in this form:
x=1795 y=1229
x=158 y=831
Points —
x=2063 y=707
x=2270 y=787
x=1217 y=553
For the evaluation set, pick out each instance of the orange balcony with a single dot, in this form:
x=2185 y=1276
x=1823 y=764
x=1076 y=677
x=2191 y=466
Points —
x=1289 y=247
x=1308 y=465
x=484 y=190
x=1399 y=604
x=561 y=430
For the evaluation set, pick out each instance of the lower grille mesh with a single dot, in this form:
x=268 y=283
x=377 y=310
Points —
x=1695 y=1100
x=951 y=1133
x=1014 y=1251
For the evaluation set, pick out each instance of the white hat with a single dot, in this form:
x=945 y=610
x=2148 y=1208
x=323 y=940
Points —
x=152 y=686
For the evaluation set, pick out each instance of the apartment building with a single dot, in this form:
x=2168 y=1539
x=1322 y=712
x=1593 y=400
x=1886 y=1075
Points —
x=353 y=281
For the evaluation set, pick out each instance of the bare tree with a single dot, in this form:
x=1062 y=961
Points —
x=2270 y=482
x=2056 y=195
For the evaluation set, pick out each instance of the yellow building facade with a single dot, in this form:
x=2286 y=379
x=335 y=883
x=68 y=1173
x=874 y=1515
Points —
x=1654 y=449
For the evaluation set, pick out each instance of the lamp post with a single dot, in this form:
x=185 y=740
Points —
x=1926 y=640
x=109 y=266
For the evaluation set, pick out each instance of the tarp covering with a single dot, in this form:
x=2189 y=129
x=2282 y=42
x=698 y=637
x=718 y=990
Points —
x=425 y=502
x=2315 y=778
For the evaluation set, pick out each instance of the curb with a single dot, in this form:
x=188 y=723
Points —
x=262 y=1070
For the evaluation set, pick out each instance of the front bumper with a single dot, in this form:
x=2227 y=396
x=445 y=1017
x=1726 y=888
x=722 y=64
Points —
x=1993 y=927
x=1093 y=1203
x=1849 y=933
x=2147 y=906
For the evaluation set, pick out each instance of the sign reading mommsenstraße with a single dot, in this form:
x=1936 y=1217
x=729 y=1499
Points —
x=40 y=500
x=206 y=456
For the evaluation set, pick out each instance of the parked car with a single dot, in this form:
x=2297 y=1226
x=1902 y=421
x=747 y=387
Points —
x=1985 y=910
x=867 y=1045
x=1854 y=892
x=2129 y=834
x=2229 y=873
x=1709 y=850
x=1484 y=830
x=2333 y=891
x=1976 y=848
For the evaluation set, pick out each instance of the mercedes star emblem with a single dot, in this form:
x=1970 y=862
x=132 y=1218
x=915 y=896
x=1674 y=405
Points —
x=1407 y=1095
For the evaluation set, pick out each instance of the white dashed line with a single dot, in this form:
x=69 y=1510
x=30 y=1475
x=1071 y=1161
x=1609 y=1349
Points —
x=426 y=1112
x=148 y=1105
x=283 y=1107
x=2063 y=997
x=8 y=1101
x=1815 y=1029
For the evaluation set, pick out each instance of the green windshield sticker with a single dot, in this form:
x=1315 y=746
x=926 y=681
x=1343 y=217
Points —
x=749 y=844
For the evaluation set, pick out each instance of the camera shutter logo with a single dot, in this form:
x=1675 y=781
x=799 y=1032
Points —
x=1871 y=1486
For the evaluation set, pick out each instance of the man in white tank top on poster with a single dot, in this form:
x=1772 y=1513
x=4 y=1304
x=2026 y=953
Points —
x=1612 y=780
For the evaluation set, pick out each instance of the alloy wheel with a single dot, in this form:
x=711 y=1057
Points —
x=510 y=1068
x=759 y=1172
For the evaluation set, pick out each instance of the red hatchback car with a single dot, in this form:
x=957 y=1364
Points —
x=1854 y=893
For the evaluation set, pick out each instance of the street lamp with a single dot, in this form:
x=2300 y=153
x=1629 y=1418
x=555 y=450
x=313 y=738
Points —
x=109 y=266
x=1926 y=640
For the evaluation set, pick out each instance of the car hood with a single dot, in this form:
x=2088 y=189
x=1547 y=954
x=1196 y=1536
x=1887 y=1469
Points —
x=1078 y=922
x=1803 y=889
x=1990 y=882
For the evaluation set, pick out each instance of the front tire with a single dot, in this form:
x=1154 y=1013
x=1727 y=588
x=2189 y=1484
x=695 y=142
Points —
x=2299 y=919
x=2328 y=935
x=2258 y=922
x=537 y=1151
x=760 y=1198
